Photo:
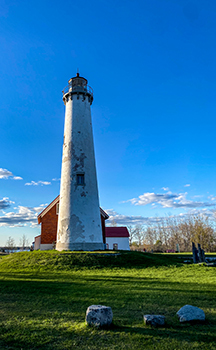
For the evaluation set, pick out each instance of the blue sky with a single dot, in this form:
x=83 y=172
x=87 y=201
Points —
x=152 y=67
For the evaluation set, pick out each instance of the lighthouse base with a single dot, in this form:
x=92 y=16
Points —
x=80 y=246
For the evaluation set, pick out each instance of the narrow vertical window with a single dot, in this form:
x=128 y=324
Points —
x=57 y=208
x=80 y=179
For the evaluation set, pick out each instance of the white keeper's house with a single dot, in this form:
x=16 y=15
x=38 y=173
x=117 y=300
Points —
x=117 y=238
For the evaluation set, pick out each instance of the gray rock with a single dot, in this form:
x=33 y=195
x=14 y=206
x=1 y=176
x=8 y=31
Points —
x=190 y=313
x=99 y=315
x=154 y=320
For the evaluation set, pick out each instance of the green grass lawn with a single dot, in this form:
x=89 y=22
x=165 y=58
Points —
x=44 y=297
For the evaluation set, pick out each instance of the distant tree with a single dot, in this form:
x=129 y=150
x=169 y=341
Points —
x=149 y=236
x=171 y=232
x=158 y=246
x=132 y=233
x=202 y=232
x=134 y=246
x=10 y=244
x=138 y=234
x=24 y=242
x=186 y=235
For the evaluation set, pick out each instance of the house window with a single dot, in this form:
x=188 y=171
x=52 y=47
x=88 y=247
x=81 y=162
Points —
x=115 y=246
x=57 y=208
x=80 y=179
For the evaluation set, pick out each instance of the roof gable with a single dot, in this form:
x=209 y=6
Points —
x=55 y=201
x=50 y=206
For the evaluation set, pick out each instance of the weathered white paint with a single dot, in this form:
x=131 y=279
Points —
x=123 y=242
x=79 y=224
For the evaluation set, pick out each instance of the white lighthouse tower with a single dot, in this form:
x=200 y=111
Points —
x=79 y=223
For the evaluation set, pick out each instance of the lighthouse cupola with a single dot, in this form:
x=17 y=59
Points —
x=78 y=86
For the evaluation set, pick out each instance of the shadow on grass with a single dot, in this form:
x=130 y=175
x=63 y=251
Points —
x=48 y=337
x=128 y=296
x=196 y=331
x=52 y=284
x=42 y=310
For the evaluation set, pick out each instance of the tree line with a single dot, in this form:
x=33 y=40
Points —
x=171 y=233
x=10 y=245
x=175 y=234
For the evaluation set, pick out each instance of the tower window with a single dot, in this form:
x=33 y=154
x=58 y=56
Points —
x=80 y=179
x=57 y=208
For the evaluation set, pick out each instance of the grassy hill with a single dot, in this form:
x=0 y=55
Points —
x=54 y=260
x=44 y=297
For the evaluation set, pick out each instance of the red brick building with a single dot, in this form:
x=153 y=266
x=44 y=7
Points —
x=116 y=237
x=48 y=219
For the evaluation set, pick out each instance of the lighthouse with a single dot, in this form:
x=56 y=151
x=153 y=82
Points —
x=79 y=223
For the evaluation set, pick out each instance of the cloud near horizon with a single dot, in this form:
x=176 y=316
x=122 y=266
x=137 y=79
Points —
x=168 y=200
x=23 y=216
x=5 y=174
x=127 y=220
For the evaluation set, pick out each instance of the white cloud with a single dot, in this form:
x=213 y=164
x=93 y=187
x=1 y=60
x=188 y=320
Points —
x=23 y=216
x=187 y=185
x=33 y=183
x=56 y=179
x=127 y=220
x=211 y=197
x=5 y=203
x=165 y=188
x=5 y=174
x=40 y=208
x=168 y=200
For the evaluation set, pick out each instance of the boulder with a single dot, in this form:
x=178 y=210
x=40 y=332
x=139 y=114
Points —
x=154 y=320
x=99 y=316
x=190 y=313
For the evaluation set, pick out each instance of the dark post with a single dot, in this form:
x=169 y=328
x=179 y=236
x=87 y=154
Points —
x=200 y=253
x=195 y=254
x=203 y=255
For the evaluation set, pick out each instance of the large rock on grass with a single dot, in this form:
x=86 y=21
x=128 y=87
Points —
x=190 y=313
x=99 y=315
x=154 y=320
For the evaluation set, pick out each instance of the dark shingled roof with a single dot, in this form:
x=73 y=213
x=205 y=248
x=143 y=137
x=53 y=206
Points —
x=117 y=231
